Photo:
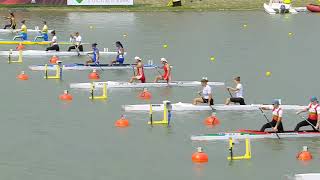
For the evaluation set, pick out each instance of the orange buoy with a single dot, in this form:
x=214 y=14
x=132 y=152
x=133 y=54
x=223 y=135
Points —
x=54 y=59
x=122 y=122
x=65 y=96
x=20 y=47
x=23 y=76
x=211 y=120
x=145 y=94
x=94 y=75
x=199 y=156
x=304 y=155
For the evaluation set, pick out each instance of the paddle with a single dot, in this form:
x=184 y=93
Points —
x=134 y=73
x=77 y=49
x=268 y=120
x=229 y=92
x=157 y=68
x=308 y=122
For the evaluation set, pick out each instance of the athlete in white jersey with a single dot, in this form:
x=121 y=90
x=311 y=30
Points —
x=238 y=91
x=206 y=94
x=76 y=39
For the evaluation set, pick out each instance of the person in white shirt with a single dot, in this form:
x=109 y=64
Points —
x=238 y=91
x=314 y=115
x=206 y=94
x=276 y=123
x=54 y=42
x=76 y=39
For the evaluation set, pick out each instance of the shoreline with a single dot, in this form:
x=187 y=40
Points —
x=239 y=6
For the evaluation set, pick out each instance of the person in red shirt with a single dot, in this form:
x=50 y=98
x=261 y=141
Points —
x=167 y=72
x=140 y=71
x=276 y=123
x=313 y=117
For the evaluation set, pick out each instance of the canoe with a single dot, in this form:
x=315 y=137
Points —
x=80 y=67
x=308 y=176
x=17 y=30
x=313 y=7
x=35 y=43
x=51 y=53
x=190 y=107
x=122 y=84
x=278 y=8
x=253 y=134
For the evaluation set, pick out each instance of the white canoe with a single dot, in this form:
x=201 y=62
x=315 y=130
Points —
x=253 y=134
x=51 y=53
x=190 y=107
x=117 y=84
x=17 y=30
x=275 y=8
x=309 y=176
x=81 y=67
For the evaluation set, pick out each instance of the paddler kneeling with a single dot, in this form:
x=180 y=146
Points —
x=23 y=32
x=276 y=123
x=12 y=20
x=54 y=42
x=44 y=32
x=120 y=54
x=238 y=90
x=167 y=71
x=206 y=93
x=140 y=71
x=95 y=55
x=314 y=115
x=76 y=39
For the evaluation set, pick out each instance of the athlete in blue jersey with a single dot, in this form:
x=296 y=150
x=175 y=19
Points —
x=120 y=56
x=95 y=55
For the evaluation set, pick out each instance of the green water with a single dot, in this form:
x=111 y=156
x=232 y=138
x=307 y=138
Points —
x=44 y=138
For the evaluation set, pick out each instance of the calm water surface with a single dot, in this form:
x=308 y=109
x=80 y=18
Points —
x=43 y=138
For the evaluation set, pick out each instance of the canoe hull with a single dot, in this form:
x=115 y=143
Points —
x=253 y=134
x=190 y=107
x=114 y=84
x=313 y=8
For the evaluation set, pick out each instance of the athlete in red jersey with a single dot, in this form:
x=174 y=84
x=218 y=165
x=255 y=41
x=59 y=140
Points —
x=167 y=72
x=314 y=115
x=276 y=123
x=140 y=71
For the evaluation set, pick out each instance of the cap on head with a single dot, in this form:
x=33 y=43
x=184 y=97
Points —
x=23 y=21
x=276 y=102
x=137 y=58
x=313 y=99
x=44 y=22
x=204 y=79
x=53 y=32
x=94 y=44
x=163 y=60
x=237 y=78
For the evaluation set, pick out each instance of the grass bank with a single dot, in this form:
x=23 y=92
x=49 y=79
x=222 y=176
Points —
x=159 y=6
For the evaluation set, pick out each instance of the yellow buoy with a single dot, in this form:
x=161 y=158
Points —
x=268 y=73
x=125 y=35
x=212 y=58
x=91 y=27
x=290 y=33
x=245 y=25
x=165 y=46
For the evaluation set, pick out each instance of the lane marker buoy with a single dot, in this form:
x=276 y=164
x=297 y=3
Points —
x=122 y=122
x=199 y=156
x=94 y=75
x=23 y=76
x=65 y=96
